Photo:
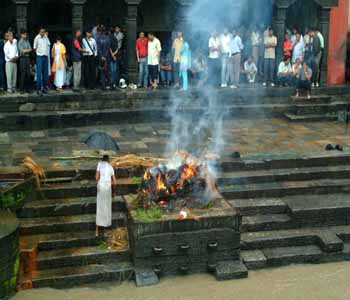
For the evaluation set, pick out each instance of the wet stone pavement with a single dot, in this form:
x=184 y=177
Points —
x=269 y=138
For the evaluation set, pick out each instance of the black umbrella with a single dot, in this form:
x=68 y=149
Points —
x=102 y=141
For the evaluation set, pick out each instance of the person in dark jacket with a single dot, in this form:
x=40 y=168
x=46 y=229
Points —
x=103 y=50
x=77 y=51
x=316 y=58
x=2 y=63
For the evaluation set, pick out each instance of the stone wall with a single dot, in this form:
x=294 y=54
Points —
x=9 y=258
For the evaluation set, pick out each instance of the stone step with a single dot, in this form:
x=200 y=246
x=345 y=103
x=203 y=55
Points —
x=327 y=238
x=328 y=209
x=90 y=274
x=59 y=240
x=250 y=207
x=65 y=223
x=292 y=174
x=228 y=164
x=85 y=188
x=311 y=117
x=266 y=222
x=319 y=108
x=79 y=256
x=65 y=207
x=286 y=188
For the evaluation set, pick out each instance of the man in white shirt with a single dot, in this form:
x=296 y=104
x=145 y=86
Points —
x=256 y=41
x=214 y=59
x=11 y=57
x=250 y=69
x=225 y=47
x=298 y=48
x=89 y=60
x=41 y=48
x=154 y=50
x=235 y=65
x=285 y=73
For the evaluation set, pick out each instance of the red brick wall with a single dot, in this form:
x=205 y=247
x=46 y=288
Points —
x=338 y=43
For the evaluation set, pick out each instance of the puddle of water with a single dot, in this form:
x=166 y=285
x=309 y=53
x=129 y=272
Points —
x=302 y=282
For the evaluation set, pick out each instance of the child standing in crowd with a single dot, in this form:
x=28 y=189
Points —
x=185 y=64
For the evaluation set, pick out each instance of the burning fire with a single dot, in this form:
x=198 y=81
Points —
x=183 y=177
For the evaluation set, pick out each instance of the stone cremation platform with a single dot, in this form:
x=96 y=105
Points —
x=206 y=241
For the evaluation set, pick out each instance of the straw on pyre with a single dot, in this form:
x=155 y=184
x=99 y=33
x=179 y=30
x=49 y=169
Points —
x=184 y=179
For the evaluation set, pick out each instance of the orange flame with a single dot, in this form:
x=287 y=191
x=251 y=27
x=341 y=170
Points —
x=160 y=183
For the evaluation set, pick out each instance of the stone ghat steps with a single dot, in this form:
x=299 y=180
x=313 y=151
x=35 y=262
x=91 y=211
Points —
x=60 y=240
x=65 y=207
x=307 y=245
x=292 y=174
x=66 y=223
x=84 y=188
x=80 y=256
x=89 y=117
x=88 y=274
x=263 y=214
x=292 y=117
x=274 y=163
x=285 y=188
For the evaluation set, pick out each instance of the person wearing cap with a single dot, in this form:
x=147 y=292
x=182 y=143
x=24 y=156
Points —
x=89 y=60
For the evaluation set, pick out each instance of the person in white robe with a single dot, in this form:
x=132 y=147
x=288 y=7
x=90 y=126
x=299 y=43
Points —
x=59 y=64
x=105 y=177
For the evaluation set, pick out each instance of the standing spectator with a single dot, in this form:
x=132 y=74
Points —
x=225 y=46
x=287 y=46
x=154 y=50
x=41 y=47
x=214 y=59
x=250 y=69
x=285 y=73
x=185 y=64
x=49 y=53
x=89 y=60
x=11 y=57
x=320 y=36
x=295 y=32
x=270 y=42
x=304 y=80
x=119 y=35
x=235 y=50
x=256 y=41
x=2 y=63
x=316 y=58
x=116 y=43
x=141 y=54
x=298 y=48
x=77 y=51
x=176 y=48
x=308 y=40
x=59 y=64
x=103 y=50
x=165 y=69
x=24 y=51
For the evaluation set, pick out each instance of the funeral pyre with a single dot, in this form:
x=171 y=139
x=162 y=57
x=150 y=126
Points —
x=184 y=181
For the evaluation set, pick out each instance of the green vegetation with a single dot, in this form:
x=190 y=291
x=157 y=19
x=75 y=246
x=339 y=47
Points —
x=137 y=180
x=12 y=200
x=148 y=215
x=102 y=245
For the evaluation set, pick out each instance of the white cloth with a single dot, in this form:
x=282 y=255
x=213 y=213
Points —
x=214 y=43
x=255 y=39
x=104 y=195
x=41 y=45
x=90 y=46
x=236 y=45
x=225 y=43
x=298 y=51
x=10 y=50
x=251 y=68
x=154 y=48
x=320 y=36
x=60 y=74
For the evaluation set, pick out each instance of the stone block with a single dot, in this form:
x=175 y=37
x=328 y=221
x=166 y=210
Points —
x=227 y=270
x=254 y=259
x=145 y=277
x=28 y=107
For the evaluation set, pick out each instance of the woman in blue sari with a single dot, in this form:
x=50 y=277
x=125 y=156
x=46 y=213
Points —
x=185 y=64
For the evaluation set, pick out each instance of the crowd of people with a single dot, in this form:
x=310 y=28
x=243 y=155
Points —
x=96 y=56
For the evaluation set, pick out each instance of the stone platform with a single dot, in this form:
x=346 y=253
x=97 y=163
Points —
x=89 y=108
x=170 y=246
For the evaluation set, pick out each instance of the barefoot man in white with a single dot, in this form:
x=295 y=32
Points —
x=105 y=176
